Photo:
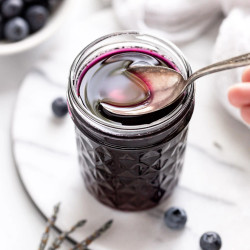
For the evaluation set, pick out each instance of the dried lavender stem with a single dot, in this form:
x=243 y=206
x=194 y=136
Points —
x=50 y=223
x=83 y=245
x=59 y=240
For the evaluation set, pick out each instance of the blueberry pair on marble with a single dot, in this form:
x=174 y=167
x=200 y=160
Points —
x=175 y=218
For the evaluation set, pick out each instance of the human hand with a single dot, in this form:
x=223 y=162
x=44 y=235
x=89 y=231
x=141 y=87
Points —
x=239 y=95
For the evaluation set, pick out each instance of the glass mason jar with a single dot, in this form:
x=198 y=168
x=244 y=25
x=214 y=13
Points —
x=130 y=167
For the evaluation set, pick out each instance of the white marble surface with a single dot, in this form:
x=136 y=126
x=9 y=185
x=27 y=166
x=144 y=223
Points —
x=215 y=184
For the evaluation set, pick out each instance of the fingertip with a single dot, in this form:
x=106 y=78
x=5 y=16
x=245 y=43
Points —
x=246 y=75
x=239 y=94
x=245 y=113
x=234 y=95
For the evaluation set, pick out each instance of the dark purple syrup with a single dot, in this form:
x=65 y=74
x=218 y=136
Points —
x=108 y=81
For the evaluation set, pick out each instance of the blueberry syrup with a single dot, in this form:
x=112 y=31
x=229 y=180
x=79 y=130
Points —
x=106 y=80
x=127 y=172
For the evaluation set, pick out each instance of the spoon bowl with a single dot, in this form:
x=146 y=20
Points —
x=166 y=84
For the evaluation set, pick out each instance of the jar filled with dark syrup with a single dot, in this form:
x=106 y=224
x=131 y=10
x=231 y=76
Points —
x=128 y=163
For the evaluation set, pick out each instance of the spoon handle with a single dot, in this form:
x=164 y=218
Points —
x=231 y=63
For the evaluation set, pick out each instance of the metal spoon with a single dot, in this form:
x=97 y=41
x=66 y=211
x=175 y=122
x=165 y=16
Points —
x=166 y=84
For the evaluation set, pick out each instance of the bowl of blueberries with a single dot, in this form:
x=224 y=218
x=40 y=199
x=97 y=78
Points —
x=25 y=24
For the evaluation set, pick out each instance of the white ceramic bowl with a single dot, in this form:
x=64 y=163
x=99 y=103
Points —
x=41 y=36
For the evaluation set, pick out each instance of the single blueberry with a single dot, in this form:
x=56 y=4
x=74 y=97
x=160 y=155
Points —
x=16 y=29
x=210 y=241
x=59 y=107
x=175 y=218
x=31 y=1
x=1 y=26
x=35 y=2
x=11 y=8
x=36 y=16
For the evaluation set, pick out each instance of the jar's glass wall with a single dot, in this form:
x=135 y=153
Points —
x=131 y=180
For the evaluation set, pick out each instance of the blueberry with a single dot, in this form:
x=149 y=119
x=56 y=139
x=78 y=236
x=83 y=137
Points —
x=210 y=241
x=1 y=26
x=36 y=16
x=11 y=8
x=31 y=1
x=175 y=218
x=59 y=107
x=16 y=29
x=35 y=2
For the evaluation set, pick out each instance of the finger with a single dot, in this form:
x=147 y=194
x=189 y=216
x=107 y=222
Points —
x=246 y=75
x=245 y=113
x=239 y=95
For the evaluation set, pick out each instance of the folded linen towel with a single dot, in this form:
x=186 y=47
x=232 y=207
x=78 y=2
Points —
x=182 y=21
x=228 y=5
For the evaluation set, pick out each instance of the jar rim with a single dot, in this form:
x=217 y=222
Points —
x=77 y=108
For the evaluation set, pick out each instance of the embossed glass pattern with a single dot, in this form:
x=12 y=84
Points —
x=131 y=179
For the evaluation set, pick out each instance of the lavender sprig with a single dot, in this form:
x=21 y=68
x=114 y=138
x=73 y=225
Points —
x=50 y=223
x=83 y=244
x=59 y=240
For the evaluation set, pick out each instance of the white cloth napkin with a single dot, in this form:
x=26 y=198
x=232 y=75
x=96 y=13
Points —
x=182 y=21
